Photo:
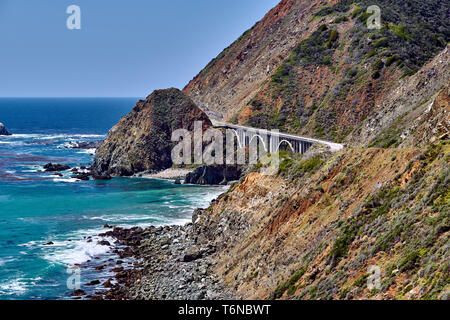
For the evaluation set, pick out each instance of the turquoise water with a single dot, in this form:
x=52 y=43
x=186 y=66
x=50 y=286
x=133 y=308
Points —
x=37 y=207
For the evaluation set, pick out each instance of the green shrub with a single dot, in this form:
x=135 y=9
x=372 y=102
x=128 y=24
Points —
x=399 y=31
x=357 y=12
x=391 y=60
x=383 y=42
x=361 y=281
x=377 y=65
x=334 y=35
x=411 y=260
x=289 y=285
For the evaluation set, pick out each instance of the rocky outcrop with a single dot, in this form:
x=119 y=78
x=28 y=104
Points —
x=141 y=141
x=50 y=167
x=319 y=227
x=214 y=175
x=3 y=131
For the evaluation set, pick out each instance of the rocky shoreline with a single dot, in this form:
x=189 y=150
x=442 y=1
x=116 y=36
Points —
x=168 y=264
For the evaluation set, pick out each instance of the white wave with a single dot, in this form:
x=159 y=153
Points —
x=66 y=180
x=88 y=151
x=17 y=286
x=24 y=136
x=55 y=136
x=12 y=143
x=77 y=252
x=80 y=250
x=69 y=136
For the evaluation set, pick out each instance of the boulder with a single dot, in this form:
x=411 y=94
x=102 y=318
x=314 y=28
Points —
x=141 y=141
x=192 y=254
x=3 y=131
x=81 y=176
x=78 y=293
x=104 y=176
x=50 y=167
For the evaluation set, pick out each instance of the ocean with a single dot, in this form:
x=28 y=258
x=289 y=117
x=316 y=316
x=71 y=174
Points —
x=38 y=208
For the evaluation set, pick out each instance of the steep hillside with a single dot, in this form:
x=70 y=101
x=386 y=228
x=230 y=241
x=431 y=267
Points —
x=313 y=231
x=415 y=112
x=228 y=82
x=334 y=71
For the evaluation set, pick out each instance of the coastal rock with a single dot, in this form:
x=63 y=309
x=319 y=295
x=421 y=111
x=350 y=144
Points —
x=93 y=283
x=214 y=175
x=78 y=293
x=82 y=176
x=141 y=141
x=3 y=131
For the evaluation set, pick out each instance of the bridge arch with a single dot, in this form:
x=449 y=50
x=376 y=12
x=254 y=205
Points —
x=260 y=139
x=238 y=139
x=288 y=143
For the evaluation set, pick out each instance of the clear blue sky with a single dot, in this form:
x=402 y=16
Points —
x=124 y=48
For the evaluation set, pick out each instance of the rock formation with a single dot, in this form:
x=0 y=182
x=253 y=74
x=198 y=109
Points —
x=3 y=131
x=141 y=141
x=213 y=175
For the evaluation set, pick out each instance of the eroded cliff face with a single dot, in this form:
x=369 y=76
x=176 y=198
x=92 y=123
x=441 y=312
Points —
x=141 y=141
x=314 y=230
x=414 y=112
x=229 y=81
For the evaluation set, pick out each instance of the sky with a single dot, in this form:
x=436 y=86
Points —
x=123 y=49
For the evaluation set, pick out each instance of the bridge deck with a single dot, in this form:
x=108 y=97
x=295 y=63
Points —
x=333 y=146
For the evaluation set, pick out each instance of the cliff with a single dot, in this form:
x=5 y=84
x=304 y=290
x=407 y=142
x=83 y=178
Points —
x=141 y=141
